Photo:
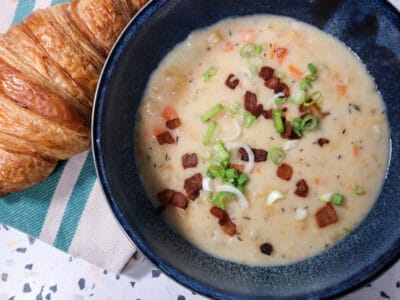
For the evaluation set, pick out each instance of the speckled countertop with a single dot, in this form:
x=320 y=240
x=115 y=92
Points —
x=31 y=269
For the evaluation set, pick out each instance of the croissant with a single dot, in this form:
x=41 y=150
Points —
x=49 y=68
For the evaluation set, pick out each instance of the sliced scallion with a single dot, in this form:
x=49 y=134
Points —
x=337 y=199
x=300 y=98
x=316 y=96
x=280 y=75
x=211 y=113
x=277 y=117
x=312 y=68
x=231 y=173
x=212 y=71
x=280 y=100
x=215 y=171
x=359 y=190
x=248 y=119
x=209 y=134
x=309 y=122
x=243 y=179
x=234 y=108
x=311 y=77
x=325 y=197
x=259 y=50
x=345 y=232
x=221 y=154
x=254 y=70
x=305 y=85
x=248 y=50
x=276 y=155
x=296 y=123
x=220 y=197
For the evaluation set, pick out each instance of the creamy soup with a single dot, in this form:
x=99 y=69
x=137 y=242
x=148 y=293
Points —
x=263 y=138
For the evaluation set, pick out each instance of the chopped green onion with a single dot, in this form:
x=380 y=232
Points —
x=278 y=123
x=325 y=197
x=311 y=77
x=209 y=134
x=277 y=155
x=312 y=68
x=300 y=214
x=248 y=50
x=212 y=71
x=345 y=232
x=280 y=75
x=248 y=119
x=305 y=85
x=280 y=100
x=221 y=154
x=242 y=179
x=296 y=123
x=254 y=70
x=259 y=50
x=301 y=97
x=215 y=171
x=211 y=113
x=231 y=173
x=220 y=197
x=309 y=122
x=309 y=102
x=337 y=199
x=359 y=190
x=274 y=196
x=234 y=108
x=316 y=96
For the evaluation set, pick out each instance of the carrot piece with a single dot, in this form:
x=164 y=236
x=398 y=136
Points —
x=229 y=47
x=272 y=51
x=295 y=71
x=157 y=130
x=356 y=150
x=281 y=53
x=169 y=113
x=317 y=181
x=341 y=89
x=249 y=36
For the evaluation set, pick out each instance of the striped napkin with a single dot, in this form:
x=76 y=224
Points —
x=68 y=210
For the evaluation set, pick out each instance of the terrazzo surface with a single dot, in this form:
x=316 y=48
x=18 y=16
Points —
x=31 y=269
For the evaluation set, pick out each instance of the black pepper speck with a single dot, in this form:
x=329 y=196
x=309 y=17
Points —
x=180 y=297
x=398 y=284
x=5 y=227
x=31 y=240
x=4 y=277
x=53 y=288
x=117 y=277
x=21 y=250
x=27 y=288
x=105 y=272
x=155 y=273
x=81 y=283
x=266 y=248
x=48 y=296
x=39 y=296
x=384 y=295
x=132 y=284
x=29 y=266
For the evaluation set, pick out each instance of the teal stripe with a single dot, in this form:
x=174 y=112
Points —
x=53 y=2
x=27 y=210
x=24 y=8
x=76 y=204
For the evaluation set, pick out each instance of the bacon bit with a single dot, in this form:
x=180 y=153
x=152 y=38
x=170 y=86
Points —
x=249 y=36
x=322 y=141
x=250 y=104
x=224 y=220
x=288 y=132
x=238 y=167
x=356 y=150
x=229 y=47
x=295 y=71
x=259 y=154
x=267 y=114
x=281 y=53
x=317 y=181
x=341 y=89
x=165 y=138
x=326 y=216
x=284 y=172
x=313 y=109
x=232 y=81
x=282 y=88
x=193 y=185
x=272 y=83
x=171 y=197
x=301 y=188
x=189 y=160
x=173 y=124
x=169 y=113
x=266 y=73
x=267 y=248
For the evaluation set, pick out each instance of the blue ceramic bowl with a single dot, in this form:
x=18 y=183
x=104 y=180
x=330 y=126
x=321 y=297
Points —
x=370 y=27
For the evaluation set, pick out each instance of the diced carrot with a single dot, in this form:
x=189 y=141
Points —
x=169 y=113
x=229 y=47
x=295 y=71
x=157 y=130
x=258 y=170
x=341 y=89
x=317 y=181
x=356 y=150
x=281 y=53
x=249 y=36
x=272 y=51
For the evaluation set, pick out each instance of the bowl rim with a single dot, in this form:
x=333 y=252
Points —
x=366 y=275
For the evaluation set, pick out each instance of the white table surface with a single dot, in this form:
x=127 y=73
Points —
x=31 y=269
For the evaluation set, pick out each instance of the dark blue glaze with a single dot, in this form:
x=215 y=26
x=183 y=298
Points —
x=370 y=27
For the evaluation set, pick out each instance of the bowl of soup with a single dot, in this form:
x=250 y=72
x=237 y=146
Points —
x=251 y=149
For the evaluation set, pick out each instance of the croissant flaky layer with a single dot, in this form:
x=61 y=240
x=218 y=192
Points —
x=49 y=67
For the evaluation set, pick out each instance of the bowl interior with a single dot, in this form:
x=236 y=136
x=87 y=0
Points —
x=371 y=29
